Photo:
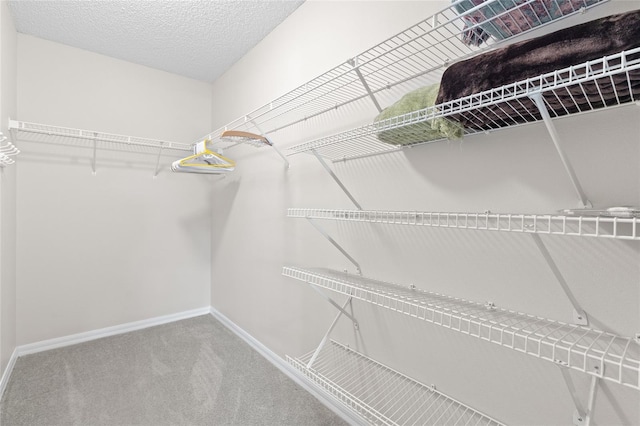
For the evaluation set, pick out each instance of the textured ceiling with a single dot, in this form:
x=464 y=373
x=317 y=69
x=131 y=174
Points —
x=196 y=39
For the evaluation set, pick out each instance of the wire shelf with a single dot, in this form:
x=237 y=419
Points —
x=121 y=141
x=622 y=228
x=382 y=395
x=606 y=82
x=598 y=353
x=422 y=50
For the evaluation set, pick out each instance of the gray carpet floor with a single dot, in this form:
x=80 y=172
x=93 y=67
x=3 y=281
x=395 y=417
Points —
x=190 y=372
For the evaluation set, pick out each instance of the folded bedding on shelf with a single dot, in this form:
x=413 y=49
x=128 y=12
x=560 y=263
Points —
x=439 y=128
x=561 y=49
x=504 y=18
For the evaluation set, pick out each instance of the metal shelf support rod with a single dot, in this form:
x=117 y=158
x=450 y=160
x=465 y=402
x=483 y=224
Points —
x=286 y=162
x=334 y=303
x=333 y=175
x=551 y=128
x=579 y=315
x=93 y=161
x=328 y=333
x=581 y=416
x=336 y=245
x=593 y=389
x=155 y=175
x=12 y=130
x=275 y=148
x=354 y=63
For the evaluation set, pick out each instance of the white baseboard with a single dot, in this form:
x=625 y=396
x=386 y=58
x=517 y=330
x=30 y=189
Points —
x=73 y=339
x=339 y=409
x=7 y=372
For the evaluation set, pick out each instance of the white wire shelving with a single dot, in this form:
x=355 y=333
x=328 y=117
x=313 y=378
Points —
x=59 y=134
x=598 y=353
x=45 y=133
x=622 y=228
x=382 y=395
x=602 y=83
x=421 y=51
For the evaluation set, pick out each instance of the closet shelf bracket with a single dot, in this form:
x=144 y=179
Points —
x=579 y=315
x=260 y=131
x=286 y=162
x=336 y=245
x=551 y=128
x=95 y=148
x=333 y=175
x=354 y=63
x=336 y=305
x=581 y=416
x=326 y=336
x=155 y=174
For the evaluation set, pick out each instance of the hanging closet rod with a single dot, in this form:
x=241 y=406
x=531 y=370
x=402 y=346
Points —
x=91 y=136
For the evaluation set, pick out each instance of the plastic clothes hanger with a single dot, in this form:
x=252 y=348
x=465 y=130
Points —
x=204 y=160
x=9 y=149
x=6 y=151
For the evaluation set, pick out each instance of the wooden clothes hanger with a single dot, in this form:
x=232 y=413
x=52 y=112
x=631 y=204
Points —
x=239 y=136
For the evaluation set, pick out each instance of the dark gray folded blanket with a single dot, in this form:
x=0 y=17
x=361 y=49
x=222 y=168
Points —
x=530 y=58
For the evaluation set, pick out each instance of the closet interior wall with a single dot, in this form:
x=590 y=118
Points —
x=119 y=246
x=8 y=101
x=512 y=171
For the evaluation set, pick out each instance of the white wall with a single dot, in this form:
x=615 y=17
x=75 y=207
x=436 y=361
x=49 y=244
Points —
x=120 y=246
x=8 y=68
x=513 y=170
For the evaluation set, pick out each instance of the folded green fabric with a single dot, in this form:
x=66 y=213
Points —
x=439 y=128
